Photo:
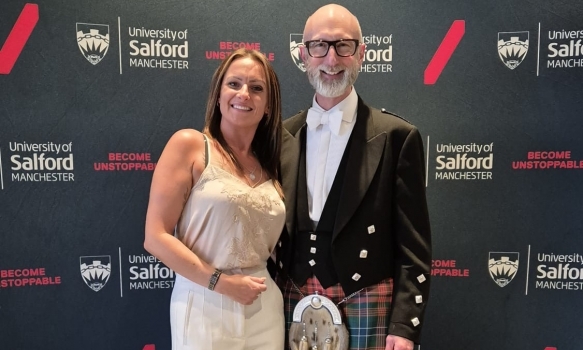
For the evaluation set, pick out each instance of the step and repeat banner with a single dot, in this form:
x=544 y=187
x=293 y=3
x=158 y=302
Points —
x=90 y=91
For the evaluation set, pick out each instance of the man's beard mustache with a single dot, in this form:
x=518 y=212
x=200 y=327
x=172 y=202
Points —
x=332 y=88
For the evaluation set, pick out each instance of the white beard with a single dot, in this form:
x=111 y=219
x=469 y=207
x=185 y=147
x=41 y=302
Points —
x=335 y=88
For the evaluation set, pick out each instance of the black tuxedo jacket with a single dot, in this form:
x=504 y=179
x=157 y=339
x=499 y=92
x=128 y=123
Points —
x=382 y=210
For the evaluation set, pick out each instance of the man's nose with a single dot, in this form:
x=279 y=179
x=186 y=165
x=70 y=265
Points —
x=332 y=56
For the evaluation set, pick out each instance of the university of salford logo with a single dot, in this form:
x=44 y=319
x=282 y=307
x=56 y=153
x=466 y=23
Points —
x=512 y=48
x=503 y=267
x=295 y=41
x=93 y=41
x=95 y=270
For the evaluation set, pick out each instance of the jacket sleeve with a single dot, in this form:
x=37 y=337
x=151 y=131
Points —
x=412 y=240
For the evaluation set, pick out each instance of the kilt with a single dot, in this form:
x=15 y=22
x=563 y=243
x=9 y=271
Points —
x=366 y=314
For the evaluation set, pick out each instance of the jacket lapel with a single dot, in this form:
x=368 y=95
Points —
x=290 y=159
x=365 y=154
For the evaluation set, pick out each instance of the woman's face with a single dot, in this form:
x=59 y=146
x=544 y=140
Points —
x=243 y=96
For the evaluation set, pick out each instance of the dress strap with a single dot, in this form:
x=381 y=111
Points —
x=207 y=153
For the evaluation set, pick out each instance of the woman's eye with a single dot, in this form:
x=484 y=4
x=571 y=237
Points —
x=233 y=84
x=257 y=88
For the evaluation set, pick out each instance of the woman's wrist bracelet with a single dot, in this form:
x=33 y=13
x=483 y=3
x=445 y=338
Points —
x=214 y=279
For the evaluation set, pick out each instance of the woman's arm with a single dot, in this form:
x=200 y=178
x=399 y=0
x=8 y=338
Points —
x=178 y=168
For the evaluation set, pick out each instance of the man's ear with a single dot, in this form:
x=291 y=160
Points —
x=304 y=53
x=361 y=51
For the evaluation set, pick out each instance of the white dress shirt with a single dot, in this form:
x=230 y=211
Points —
x=324 y=151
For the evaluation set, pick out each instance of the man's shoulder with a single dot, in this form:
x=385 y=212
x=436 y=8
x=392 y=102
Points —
x=295 y=122
x=390 y=114
x=386 y=120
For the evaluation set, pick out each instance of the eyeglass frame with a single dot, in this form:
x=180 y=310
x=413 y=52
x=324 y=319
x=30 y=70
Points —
x=330 y=44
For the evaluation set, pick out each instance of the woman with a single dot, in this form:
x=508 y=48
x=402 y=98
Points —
x=219 y=189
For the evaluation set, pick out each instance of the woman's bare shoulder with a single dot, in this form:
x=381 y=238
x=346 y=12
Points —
x=186 y=141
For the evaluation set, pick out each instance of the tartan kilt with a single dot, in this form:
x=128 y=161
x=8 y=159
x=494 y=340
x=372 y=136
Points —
x=366 y=314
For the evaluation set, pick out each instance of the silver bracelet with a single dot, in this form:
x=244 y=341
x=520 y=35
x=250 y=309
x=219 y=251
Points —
x=214 y=279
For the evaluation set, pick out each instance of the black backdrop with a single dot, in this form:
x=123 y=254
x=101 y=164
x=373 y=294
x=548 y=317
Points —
x=79 y=138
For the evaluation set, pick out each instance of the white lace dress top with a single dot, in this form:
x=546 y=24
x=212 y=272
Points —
x=229 y=224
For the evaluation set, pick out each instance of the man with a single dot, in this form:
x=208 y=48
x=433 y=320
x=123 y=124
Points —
x=357 y=228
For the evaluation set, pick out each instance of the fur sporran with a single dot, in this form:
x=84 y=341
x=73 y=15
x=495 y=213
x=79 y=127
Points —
x=317 y=325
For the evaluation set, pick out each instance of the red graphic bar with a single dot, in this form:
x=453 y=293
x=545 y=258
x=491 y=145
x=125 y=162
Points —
x=550 y=348
x=18 y=37
x=444 y=51
x=149 y=347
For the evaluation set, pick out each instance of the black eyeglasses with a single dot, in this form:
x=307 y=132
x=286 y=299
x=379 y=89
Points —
x=343 y=47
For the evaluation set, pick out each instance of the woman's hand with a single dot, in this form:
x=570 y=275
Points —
x=241 y=288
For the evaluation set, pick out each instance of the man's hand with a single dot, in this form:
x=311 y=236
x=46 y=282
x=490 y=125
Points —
x=398 y=343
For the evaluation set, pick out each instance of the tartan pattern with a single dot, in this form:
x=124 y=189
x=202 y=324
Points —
x=366 y=314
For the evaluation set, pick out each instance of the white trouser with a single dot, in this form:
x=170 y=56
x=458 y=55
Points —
x=201 y=319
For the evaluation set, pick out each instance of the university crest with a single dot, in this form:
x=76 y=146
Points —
x=95 y=271
x=503 y=267
x=93 y=41
x=512 y=48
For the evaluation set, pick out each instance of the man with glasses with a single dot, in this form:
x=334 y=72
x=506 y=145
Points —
x=357 y=227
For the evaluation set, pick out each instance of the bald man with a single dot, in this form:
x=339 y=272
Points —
x=357 y=227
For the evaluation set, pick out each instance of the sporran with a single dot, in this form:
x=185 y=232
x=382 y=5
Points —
x=317 y=325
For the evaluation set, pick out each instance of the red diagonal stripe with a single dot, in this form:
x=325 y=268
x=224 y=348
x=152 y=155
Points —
x=18 y=37
x=444 y=51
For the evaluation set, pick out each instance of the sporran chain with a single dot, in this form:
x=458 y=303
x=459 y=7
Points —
x=338 y=304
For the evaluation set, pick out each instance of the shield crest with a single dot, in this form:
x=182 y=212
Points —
x=503 y=267
x=295 y=41
x=512 y=48
x=95 y=270
x=93 y=41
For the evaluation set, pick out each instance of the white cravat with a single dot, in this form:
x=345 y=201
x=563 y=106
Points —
x=327 y=136
x=317 y=116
